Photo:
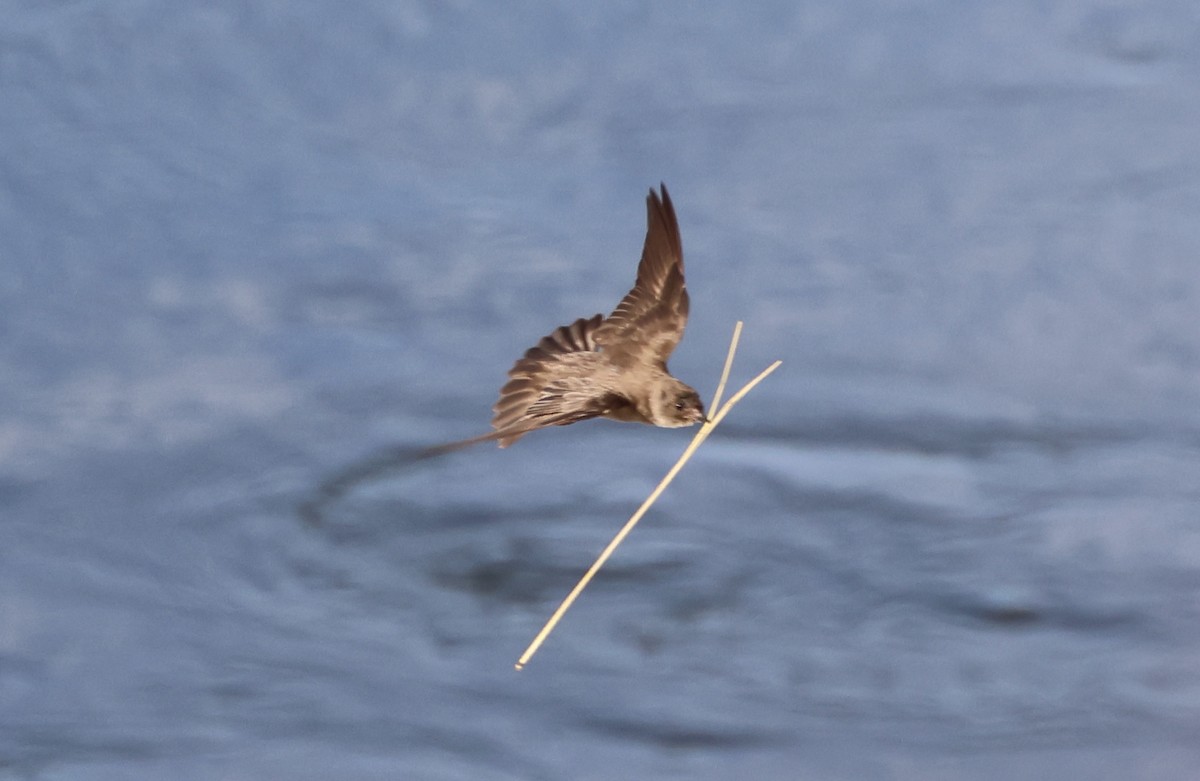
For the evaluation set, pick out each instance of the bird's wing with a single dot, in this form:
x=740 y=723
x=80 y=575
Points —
x=554 y=384
x=649 y=321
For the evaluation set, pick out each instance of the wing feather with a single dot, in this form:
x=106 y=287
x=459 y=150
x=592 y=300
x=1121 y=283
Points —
x=649 y=321
x=553 y=384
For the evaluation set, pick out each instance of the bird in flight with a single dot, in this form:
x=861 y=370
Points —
x=609 y=367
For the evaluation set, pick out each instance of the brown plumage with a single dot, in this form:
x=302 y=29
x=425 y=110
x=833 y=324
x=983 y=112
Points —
x=614 y=367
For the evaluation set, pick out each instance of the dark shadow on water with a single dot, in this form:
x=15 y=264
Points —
x=389 y=461
x=385 y=462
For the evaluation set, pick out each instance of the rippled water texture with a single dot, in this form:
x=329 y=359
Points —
x=248 y=248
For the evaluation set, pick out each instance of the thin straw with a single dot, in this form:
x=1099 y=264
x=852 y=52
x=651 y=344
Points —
x=697 y=440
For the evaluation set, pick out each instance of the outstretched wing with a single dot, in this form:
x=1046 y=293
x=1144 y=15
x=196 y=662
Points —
x=649 y=321
x=554 y=384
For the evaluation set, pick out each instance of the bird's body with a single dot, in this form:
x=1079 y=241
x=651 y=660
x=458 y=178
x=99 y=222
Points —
x=613 y=367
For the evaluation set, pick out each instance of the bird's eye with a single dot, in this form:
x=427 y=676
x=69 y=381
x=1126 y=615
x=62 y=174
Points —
x=679 y=405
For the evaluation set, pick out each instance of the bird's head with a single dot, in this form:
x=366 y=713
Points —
x=676 y=404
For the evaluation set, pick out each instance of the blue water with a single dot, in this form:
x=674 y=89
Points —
x=248 y=248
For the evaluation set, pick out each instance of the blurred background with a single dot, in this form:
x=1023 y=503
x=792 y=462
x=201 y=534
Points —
x=247 y=246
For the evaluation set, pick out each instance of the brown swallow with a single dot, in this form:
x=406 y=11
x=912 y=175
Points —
x=609 y=367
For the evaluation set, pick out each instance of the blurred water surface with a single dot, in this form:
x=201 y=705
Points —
x=245 y=247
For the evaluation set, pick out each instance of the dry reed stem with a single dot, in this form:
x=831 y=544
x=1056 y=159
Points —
x=705 y=429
